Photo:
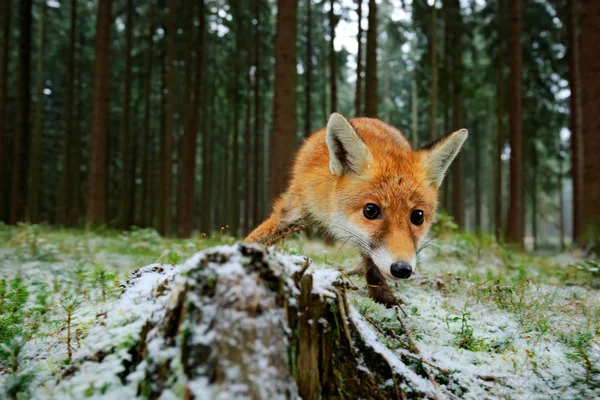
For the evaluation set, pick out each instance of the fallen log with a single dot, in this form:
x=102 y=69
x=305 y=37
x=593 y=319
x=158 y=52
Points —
x=238 y=321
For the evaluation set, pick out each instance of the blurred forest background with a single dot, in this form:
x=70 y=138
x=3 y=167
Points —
x=184 y=115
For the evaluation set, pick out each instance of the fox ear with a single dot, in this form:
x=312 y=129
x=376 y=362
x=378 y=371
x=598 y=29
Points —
x=439 y=155
x=348 y=153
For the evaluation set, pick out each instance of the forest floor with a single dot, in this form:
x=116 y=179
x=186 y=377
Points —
x=483 y=321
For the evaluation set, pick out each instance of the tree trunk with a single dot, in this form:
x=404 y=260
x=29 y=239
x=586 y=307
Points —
x=66 y=190
x=35 y=160
x=247 y=147
x=308 y=87
x=515 y=209
x=281 y=336
x=414 y=110
x=477 y=173
x=576 y=117
x=167 y=173
x=359 y=92
x=458 y=174
x=332 y=66
x=235 y=98
x=447 y=87
x=5 y=17
x=257 y=112
x=96 y=212
x=590 y=84
x=371 y=72
x=283 y=141
x=126 y=203
x=146 y=126
x=498 y=192
x=434 y=74
x=186 y=196
x=561 y=203
x=20 y=152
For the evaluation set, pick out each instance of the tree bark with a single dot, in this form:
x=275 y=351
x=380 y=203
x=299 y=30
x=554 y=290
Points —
x=308 y=82
x=283 y=141
x=22 y=133
x=96 y=212
x=371 y=70
x=257 y=113
x=5 y=17
x=167 y=189
x=434 y=73
x=247 y=145
x=515 y=209
x=576 y=117
x=127 y=188
x=186 y=196
x=414 y=110
x=332 y=66
x=590 y=84
x=66 y=190
x=458 y=174
x=500 y=101
x=35 y=160
x=267 y=320
x=144 y=202
x=359 y=91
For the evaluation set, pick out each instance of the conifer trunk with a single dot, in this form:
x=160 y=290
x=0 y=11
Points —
x=434 y=73
x=515 y=228
x=590 y=94
x=359 y=93
x=5 y=17
x=167 y=173
x=458 y=174
x=144 y=201
x=371 y=70
x=308 y=74
x=35 y=159
x=575 y=117
x=257 y=113
x=283 y=140
x=186 y=195
x=20 y=154
x=66 y=190
x=332 y=63
x=96 y=198
x=126 y=203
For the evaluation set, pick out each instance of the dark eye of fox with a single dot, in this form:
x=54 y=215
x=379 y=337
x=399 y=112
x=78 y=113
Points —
x=417 y=217
x=371 y=211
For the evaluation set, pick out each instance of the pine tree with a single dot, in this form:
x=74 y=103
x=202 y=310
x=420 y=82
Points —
x=283 y=141
x=96 y=199
x=515 y=230
x=371 y=70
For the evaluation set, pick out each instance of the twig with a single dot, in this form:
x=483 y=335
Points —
x=344 y=316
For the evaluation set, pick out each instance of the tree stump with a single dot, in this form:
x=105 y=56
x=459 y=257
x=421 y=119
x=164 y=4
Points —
x=242 y=321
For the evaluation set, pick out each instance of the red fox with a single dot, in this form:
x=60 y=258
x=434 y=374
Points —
x=360 y=180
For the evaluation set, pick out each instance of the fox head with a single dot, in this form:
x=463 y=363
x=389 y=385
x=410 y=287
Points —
x=385 y=192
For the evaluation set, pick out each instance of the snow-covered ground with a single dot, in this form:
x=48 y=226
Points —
x=485 y=322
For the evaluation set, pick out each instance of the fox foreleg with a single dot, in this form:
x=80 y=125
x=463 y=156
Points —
x=285 y=219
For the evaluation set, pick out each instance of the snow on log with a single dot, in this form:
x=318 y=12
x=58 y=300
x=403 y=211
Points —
x=237 y=321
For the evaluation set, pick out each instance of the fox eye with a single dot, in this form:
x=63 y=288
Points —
x=417 y=217
x=371 y=211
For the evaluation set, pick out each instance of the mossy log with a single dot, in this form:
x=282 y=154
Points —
x=245 y=322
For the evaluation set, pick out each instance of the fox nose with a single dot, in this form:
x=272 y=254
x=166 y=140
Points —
x=401 y=270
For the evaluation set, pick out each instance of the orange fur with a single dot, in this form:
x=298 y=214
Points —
x=396 y=178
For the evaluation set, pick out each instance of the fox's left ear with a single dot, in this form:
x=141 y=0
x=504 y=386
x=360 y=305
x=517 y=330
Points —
x=439 y=155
